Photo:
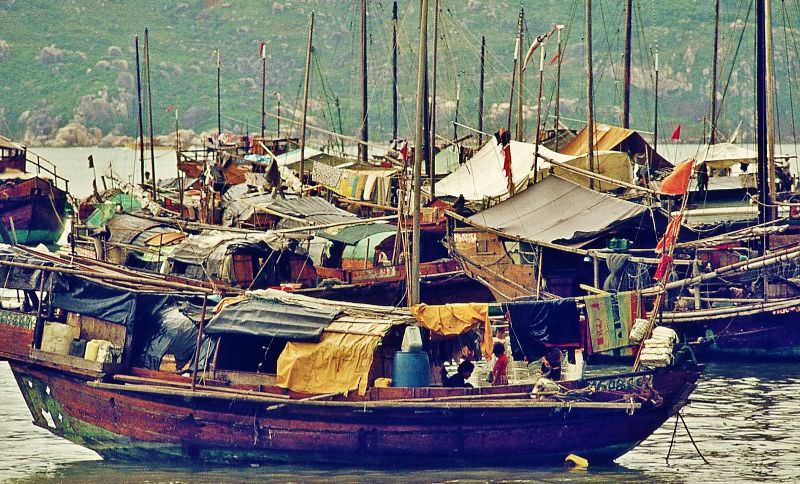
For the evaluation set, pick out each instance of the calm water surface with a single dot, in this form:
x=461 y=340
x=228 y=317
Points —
x=744 y=418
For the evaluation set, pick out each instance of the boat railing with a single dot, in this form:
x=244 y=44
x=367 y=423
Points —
x=48 y=167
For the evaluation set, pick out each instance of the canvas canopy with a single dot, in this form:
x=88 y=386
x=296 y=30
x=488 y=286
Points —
x=105 y=211
x=354 y=234
x=267 y=317
x=483 y=176
x=558 y=211
x=724 y=155
x=342 y=359
x=214 y=244
x=614 y=138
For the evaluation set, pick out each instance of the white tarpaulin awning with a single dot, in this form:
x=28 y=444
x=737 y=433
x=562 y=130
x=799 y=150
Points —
x=723 y=155
x=483 y=176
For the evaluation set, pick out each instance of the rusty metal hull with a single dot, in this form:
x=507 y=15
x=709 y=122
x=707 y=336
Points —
x=121 y=425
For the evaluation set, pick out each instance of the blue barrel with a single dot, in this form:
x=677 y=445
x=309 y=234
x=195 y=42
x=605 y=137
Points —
x=411 y=369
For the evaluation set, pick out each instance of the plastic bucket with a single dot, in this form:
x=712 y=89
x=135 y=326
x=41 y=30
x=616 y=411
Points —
x=411 y=369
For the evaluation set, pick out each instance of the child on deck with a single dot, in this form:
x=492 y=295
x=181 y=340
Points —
x=500 y=369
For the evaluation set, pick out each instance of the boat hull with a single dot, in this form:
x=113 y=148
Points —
x=121 y=425
x=763 y=330
x=37 y=209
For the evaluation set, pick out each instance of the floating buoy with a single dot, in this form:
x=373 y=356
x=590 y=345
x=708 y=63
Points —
x=576 y=461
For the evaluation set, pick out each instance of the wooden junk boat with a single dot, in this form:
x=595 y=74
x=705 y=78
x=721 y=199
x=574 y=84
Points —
x=273 y=376
x=32 y=205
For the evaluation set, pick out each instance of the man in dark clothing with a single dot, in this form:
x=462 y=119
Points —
x=459 y=380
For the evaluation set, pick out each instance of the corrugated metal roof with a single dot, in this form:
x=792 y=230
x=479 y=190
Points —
x=314 y=210
x=126 y=229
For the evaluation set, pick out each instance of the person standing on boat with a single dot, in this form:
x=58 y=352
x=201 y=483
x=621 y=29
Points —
x=702 y=178
x=500 y=368
x=380 y=259
x=459 y=380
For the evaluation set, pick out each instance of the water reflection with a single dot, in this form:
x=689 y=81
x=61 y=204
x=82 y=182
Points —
x=743 y=417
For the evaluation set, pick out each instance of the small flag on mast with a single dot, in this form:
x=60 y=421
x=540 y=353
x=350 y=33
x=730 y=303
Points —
x=263 y=50
x=676 y=135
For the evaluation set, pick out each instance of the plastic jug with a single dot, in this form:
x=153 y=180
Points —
x=412 y=340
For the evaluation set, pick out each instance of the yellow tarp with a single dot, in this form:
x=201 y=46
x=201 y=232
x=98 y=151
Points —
x=456 y=319
x=606 y=137
x=339 y=363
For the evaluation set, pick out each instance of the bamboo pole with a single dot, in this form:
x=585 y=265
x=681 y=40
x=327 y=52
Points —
x=538 y=116
x=199 y=342
x=111 y=277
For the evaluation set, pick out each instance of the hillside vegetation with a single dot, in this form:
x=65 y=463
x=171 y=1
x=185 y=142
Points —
x=70 y=63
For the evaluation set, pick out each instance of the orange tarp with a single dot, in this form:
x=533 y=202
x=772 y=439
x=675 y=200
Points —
x=456 y=319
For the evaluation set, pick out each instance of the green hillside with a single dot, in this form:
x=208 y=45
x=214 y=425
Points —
x=72 y=61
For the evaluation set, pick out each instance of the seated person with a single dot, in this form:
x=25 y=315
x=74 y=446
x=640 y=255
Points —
x=459 y=380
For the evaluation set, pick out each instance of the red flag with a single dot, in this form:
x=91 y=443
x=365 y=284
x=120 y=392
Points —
x=404 y=151
x=670 y=235
x=676 y=135
x=555 y=59
x=677 y=182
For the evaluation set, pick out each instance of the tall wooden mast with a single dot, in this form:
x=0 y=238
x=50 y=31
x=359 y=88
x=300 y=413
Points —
x=219 y=96
x=714 y=60
x=520 y=131
x=432 y=131
x=558 y=89
x=589 y=92
x=263 y=55
x=139 y=103
x=150 y=112
x=305 y=100
x=419 y=156
x=362 y=148
x=626 y=73
x=394 y=70
x=480 y=91
x=764 y=112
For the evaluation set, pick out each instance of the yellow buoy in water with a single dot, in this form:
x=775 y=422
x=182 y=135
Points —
x=576 y=461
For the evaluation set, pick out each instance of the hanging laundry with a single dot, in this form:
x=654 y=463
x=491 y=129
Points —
x=537 y=325
x=610 y=318
x=326 y=175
